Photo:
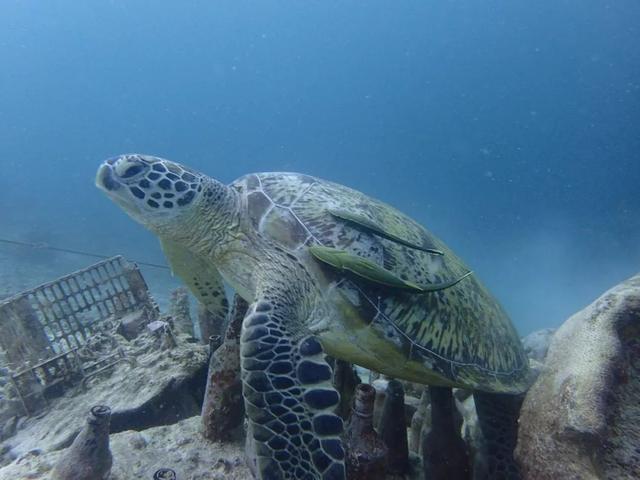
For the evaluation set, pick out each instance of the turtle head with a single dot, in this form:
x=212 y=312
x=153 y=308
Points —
x=153 y=191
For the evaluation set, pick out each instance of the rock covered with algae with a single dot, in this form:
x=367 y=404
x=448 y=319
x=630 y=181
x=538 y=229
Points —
x=581 y=418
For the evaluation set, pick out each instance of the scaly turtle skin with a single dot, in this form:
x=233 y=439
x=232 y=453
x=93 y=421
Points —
x=327 y=270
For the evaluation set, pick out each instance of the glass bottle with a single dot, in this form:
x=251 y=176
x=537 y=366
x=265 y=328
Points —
x=366 y=452
x=393 y=429
x=88 y=457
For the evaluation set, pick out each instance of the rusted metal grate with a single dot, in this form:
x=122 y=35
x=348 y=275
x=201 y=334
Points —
x=68 y=308
x=41 y=329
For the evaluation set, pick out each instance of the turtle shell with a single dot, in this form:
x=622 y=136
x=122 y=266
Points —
x=461 y=333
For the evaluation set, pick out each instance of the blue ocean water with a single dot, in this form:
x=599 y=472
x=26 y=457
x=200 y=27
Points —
x=508 y=128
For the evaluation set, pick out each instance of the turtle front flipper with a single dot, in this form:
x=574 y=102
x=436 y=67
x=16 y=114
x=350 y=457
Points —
x=203 y=280
x=289 y=397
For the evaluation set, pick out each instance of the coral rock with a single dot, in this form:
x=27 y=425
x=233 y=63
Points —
x=536 y=344
x=580 y=419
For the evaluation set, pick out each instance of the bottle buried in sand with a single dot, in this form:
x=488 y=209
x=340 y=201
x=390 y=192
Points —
x=222 y=407
x=215 y=342
x=88 y=457
x=165 y=474
x=366 y=452
x=345 y=380
x=444 y=452
x=393 y=429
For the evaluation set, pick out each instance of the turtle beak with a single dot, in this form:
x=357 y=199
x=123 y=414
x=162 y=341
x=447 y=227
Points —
x=105 y=179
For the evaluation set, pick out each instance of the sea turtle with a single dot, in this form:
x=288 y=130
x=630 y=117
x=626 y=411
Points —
x=327 y=270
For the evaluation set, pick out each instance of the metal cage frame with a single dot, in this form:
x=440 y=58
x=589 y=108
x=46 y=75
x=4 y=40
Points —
x=42 y=328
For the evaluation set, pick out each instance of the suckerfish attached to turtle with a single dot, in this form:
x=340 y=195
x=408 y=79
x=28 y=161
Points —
x=327 y=270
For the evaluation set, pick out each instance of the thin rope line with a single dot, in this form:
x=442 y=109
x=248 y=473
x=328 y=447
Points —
x=44 y=246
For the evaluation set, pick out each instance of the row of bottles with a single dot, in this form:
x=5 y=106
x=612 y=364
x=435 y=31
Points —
x=370 y=454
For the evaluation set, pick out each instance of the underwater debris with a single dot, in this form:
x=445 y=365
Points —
x=392 y=429
x=179 y=311
x=44 y=329
x=215 y=341
x=365 y=451
x=168 y=339
x=210 y=324
x=223 y=406
x=345 y=380
x=132 y=324
x=421 y=415
x=146 y=385
x=162 y=331
x=105 y=363
x=444 y=453
x=89 y=457
x=165 y=474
